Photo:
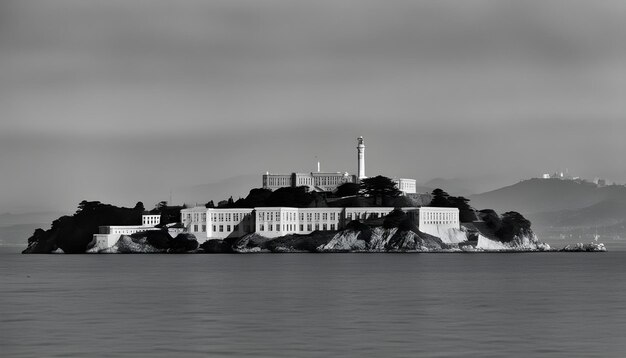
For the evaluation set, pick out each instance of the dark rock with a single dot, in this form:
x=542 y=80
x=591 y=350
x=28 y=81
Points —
x=40 y=243
x=183 y=242
x=216 y=246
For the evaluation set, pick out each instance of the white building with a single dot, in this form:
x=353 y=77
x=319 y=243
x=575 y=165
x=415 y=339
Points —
x=407 y=186
x=316 y=181
x=436 y=221
x=330 y=181
x=107 y=236
x=150 y=219
x=217 y=223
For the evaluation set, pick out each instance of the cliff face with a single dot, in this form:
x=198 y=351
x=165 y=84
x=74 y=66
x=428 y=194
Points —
x=383 y=240
x=147 y=243
x=519 y=243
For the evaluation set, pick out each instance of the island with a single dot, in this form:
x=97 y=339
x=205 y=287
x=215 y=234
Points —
x=299 y=212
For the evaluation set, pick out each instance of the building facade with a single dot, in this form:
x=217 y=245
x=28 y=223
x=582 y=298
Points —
x=216 y=223
x=316 y=181
x=107 y=236
x=330 y=181
x=436 y=221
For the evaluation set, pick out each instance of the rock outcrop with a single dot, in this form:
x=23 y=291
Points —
x=580 y=247
x=379 y=239
x=148 y=242
x=523 y=243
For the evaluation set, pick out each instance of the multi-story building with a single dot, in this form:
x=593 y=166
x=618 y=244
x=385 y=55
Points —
x=329 y=181
x=217 y=223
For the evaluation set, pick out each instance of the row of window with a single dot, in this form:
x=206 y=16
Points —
x=292 y=227
x=278 y=181
x=276 y=216
x=221 y=217
x=434 y=218
x=221 y=228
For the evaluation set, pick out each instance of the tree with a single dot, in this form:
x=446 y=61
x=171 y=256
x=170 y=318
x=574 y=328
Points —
x=210 y=204
x=440 y=199
x=86 y=206
x=466 y=212
x=139 y=207
x=379 y=187
x=161 y=205
x=444 y=200
x=513 y=224
x=347 y=189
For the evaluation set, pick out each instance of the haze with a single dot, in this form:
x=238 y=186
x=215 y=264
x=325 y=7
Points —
x=121 y=101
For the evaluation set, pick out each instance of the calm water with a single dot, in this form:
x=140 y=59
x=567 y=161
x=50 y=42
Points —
x=314 y=305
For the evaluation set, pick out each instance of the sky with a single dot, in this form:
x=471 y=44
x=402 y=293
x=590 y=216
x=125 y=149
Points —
x=121 y=101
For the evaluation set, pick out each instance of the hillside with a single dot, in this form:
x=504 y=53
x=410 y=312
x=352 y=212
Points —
x=559 y=208
x=547 y=195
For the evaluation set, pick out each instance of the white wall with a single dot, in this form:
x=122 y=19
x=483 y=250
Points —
x=435 y=221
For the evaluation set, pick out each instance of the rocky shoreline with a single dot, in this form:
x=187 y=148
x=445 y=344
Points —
x=365 y=240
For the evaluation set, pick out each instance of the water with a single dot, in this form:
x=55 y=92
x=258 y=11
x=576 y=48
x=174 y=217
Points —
x=314 y=305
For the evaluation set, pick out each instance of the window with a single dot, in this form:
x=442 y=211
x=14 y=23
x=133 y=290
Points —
x=227 y=228
x=301 y=227
x=308 y=227
x=195 y=227
x=262 y=227
x=317 y=226
x=324 y=227
x=214 y=229
x=203 y=228
x=332 y=226
x=221 y=228
x=271 y=227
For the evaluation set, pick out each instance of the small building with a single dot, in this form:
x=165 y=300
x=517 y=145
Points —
x=107 y=236
x=406 y=186
x=436 y=221
x=149 y=219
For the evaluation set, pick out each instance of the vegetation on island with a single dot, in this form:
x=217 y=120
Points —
x=507 y=226
x=73 y=233
x=443 y=199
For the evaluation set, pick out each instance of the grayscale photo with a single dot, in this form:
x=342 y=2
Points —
x=329 y=178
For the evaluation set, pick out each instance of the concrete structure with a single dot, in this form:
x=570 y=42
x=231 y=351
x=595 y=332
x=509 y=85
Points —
x=361 y=158
x=216 y=223
x=107 y=236
x=407 y=186
x=329 y=181
x=436 y=221
x=150 y=219
x=316 y=181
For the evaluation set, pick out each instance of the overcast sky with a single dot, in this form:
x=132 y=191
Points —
x=120 y=101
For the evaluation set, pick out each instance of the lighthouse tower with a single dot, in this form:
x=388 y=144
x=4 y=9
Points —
x=361 y=155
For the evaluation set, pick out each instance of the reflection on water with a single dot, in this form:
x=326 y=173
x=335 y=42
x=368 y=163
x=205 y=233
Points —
x=314 y=305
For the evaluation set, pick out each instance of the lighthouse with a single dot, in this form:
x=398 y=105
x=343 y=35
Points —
x=361 y=155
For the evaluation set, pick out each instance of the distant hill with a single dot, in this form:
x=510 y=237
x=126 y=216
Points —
x=467 y=186
x=17 y=234
x=559 y=207
x=546 y=195
x=9 y=219
x=238 y=187
x=16 y=228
